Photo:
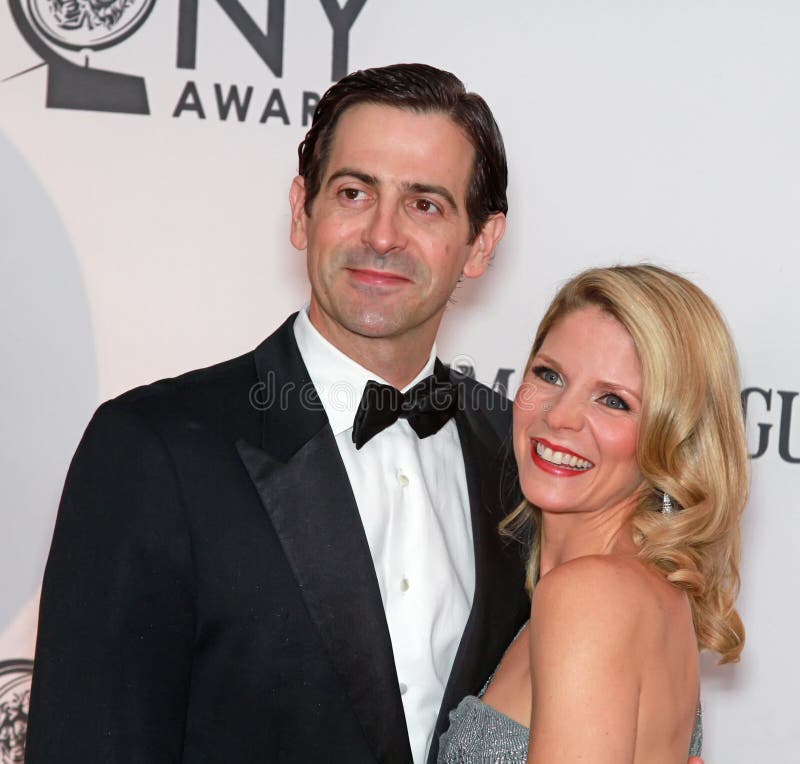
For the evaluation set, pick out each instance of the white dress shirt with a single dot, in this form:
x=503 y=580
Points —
x=412 y=496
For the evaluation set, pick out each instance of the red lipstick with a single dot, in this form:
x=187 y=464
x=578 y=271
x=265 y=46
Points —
x=555 y=469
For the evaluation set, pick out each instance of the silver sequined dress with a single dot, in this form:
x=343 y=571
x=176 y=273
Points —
x=480 y=734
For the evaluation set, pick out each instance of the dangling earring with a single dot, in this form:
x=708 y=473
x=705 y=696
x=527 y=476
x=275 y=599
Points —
x=666 y=504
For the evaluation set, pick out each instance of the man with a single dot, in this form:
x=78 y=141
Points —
x=250 y=565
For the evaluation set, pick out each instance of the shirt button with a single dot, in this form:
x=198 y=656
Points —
x=403 y=688
x=404 y=585
x=402 y=478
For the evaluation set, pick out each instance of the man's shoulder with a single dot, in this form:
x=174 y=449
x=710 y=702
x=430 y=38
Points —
x=214 y=399
x=209 y=384
x=222 y=391
x=480 y=398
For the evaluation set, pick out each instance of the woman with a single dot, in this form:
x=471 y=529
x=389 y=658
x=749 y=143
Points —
x=629 y=441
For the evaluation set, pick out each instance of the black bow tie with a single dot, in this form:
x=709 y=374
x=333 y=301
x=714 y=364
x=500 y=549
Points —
x=427 y=406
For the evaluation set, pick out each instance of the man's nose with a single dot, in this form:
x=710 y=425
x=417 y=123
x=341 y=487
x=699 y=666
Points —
x=385 y=230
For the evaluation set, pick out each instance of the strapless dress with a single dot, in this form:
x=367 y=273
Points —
x=480 y=734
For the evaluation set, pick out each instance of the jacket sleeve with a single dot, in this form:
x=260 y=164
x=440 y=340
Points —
x=116 y=624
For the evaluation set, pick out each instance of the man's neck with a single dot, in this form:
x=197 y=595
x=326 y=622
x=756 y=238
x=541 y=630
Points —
x=398 y=360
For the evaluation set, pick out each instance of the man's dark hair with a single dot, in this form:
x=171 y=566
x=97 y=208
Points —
x=420 y=88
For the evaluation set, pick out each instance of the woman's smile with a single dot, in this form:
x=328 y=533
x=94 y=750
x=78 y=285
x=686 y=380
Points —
x=557 y=460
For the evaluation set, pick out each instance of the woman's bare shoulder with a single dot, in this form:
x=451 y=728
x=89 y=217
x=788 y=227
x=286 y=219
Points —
x=615 y=595
x=597 y=581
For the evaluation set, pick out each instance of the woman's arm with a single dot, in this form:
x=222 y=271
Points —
x=585 y=663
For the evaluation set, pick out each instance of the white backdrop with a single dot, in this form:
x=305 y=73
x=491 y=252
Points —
x=135 y=246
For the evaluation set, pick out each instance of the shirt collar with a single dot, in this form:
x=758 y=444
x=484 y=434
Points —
x=338 y=379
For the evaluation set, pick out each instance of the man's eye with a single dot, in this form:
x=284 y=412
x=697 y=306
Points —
x=353 y=194
x=426 y=205
x=615 y=402
x=548 y=375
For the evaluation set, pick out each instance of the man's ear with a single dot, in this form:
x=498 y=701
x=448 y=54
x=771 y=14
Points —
x=297 y=202
x=484 y=245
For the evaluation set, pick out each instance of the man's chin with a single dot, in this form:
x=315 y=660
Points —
x=380 y=318
x=376 y=326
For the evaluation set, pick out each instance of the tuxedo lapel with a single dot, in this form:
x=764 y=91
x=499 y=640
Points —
x=499 y=605
x=304 y=488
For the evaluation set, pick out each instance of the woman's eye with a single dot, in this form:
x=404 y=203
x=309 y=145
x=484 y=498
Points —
x=548 y=375
x=615 y=402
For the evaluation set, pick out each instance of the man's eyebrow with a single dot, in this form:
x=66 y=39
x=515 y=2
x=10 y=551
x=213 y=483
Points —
x=350 y=172
x=427 y=188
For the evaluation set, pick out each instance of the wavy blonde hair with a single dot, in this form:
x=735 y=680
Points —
x=691 y=441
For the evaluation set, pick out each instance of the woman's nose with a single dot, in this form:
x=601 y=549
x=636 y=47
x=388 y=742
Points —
x=565 y=410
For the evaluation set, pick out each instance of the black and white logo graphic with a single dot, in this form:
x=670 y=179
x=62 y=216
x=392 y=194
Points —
x=15 y=692
x=87 y=24
x=75 y=38
x=63 y=30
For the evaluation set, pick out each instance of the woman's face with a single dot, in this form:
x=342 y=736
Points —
x=576 y=416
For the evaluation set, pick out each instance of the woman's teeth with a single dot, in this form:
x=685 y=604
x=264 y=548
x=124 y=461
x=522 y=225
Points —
x=562 y=459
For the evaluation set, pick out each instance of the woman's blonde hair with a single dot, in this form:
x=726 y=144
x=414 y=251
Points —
x=691 y=441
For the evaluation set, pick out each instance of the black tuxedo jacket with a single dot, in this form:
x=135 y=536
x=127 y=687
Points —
x=210 y=595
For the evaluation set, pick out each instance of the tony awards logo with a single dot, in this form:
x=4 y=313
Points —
x=73 y=38
x=87 y=24
x=67 y=34
x=15 y=683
